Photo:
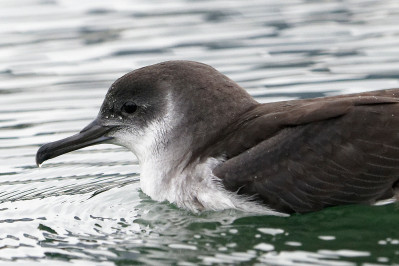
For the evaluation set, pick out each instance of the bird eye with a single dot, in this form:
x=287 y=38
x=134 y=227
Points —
x=129 y=108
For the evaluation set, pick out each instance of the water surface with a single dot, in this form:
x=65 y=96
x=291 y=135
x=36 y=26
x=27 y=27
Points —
x=57 y=59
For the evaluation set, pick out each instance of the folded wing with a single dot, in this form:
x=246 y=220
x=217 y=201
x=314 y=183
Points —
x=302 y=156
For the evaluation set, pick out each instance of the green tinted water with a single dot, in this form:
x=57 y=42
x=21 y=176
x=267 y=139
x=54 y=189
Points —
x=57 y=59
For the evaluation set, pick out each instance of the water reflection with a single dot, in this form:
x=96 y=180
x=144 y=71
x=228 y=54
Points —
x=57 y=59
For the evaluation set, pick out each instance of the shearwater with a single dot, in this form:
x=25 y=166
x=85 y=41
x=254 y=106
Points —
x=204 y=143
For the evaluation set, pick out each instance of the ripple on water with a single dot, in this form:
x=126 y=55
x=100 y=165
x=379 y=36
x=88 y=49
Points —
x=57 y=59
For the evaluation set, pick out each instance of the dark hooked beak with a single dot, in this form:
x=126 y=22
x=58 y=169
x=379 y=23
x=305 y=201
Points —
x=92 y=134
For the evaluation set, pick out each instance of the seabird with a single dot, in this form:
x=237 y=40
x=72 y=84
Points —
x=204 y=143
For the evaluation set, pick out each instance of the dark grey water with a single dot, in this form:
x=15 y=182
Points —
x=57 y=59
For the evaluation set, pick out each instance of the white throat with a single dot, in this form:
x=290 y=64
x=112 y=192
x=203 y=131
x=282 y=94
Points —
x=165 y=175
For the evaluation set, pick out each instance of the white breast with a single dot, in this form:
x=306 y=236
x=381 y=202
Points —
x=165 y=175
x=195 y=189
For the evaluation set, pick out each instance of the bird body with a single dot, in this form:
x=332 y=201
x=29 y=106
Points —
x=204 y=143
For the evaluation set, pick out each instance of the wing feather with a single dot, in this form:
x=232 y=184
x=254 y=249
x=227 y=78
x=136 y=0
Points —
x=308 y=155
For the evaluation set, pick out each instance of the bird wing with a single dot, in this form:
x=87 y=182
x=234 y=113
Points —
x=302 y=156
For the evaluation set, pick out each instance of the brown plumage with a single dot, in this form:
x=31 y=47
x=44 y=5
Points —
x=316 y=153
x=180 y=118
